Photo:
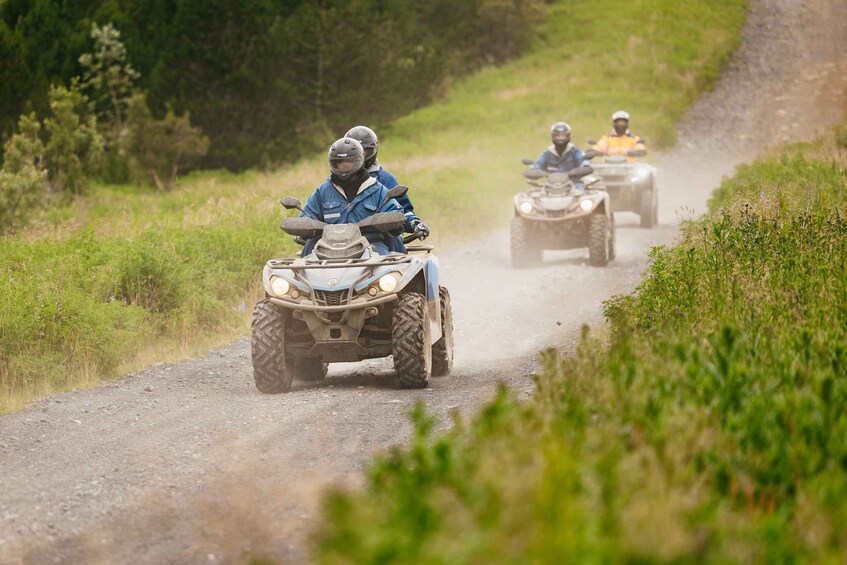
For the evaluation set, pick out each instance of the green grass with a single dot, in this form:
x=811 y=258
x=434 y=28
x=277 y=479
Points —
x=709 y=425
x=197 y=252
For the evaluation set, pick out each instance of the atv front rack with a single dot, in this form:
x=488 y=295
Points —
x=379 y=261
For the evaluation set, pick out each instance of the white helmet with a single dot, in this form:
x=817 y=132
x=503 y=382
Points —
x=620 y=115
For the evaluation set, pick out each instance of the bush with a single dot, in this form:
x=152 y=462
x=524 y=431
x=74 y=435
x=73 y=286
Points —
x=161 y=147
x=22 y=178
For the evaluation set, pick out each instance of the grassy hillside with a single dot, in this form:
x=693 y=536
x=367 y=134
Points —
x=120 y=279
x=710 y=427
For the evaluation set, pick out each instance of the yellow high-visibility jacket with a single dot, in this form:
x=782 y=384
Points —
x=614 y=144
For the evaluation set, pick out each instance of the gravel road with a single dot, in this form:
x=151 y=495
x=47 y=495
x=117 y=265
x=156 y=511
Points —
x=188 y=463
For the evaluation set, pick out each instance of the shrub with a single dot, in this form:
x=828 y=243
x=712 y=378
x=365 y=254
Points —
x=161 y=147
x=22 y=178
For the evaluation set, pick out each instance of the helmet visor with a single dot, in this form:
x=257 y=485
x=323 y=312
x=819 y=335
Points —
x=561 y=137
x=370 y=153
x=344 y=167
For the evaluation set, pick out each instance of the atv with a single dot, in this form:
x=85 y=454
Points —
x=343 y=302
x=631 y=186
x=562 y=212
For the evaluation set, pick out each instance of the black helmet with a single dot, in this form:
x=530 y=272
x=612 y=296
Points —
x=369 y=141
x=560 y=132
x=346 y=158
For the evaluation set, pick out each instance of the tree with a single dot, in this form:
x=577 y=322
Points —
x=74 y=147
x=161 y=147
x=109 y=77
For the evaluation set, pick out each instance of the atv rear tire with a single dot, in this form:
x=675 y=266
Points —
x=411 y=343
x=649 y=209
x=309 y=369
x=599 y=239
x=525 y=251
x=267 y=344
x=442 y=351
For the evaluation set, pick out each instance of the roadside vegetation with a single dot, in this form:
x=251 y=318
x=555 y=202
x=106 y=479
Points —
x=124 y=276
x=708 y=425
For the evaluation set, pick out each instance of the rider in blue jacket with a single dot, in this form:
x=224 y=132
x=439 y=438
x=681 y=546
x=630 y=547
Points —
x=350 y=195
x=370 y=143
x=563 y=155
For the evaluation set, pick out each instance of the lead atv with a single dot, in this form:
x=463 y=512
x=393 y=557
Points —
x=344 y=302
x=562 y=212
x=631 y=186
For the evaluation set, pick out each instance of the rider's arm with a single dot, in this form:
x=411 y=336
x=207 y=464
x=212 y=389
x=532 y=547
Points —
x=390 y=181
x=313 y=207
x=602 y=146
x=541 y=162
x=393 y=206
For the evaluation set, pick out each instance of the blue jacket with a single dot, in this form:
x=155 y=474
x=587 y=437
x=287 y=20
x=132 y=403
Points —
x=551 y=162
x=328 y=204
x=389 y=181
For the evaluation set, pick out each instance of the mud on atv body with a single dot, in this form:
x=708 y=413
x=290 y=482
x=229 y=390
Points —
x=631 y=187
x=556 y=214
x=343 y=302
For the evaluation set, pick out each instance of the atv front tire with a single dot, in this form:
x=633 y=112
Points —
x=267 y=345
x=649 y=209
x=525 y=252
x=442 y=351
x=599 y=239
x=411 y=343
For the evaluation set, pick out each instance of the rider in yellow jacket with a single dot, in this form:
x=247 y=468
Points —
x=620 y=141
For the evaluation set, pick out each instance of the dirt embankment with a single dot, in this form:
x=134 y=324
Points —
x=188 y=462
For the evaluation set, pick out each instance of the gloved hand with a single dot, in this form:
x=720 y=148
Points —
x=420 y=229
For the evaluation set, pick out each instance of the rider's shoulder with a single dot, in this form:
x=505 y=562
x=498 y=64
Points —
x=386 y=178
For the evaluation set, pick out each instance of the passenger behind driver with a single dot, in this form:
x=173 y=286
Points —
x=620 y=141
x=350 y=195
x=370 y=143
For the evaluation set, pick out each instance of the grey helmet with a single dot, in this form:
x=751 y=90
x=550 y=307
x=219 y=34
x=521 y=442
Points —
x=558 y=130
x=346 y=158
x=370 y=142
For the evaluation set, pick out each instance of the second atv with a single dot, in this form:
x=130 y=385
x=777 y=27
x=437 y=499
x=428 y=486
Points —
x=558 y=213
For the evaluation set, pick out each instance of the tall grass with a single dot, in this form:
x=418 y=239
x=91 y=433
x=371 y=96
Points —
x=709 y=425
x=119 y=272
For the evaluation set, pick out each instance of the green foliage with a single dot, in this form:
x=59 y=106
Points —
x=22 y=177
x=710 y=429
x=74 y=146
x=109 y=76
x=88 y=304
x=265 y=80
x=161 y=147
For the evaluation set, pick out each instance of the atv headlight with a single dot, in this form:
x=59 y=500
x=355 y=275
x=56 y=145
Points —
x=639 y=176
x=525 y=207
x=279 y=286
x=586 y=204
x=387 y=283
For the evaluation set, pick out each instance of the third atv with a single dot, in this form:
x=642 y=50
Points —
x=631 y=185
x=558 y=213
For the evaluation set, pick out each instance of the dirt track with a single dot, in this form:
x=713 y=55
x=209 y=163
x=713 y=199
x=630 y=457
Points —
x=189 y=463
